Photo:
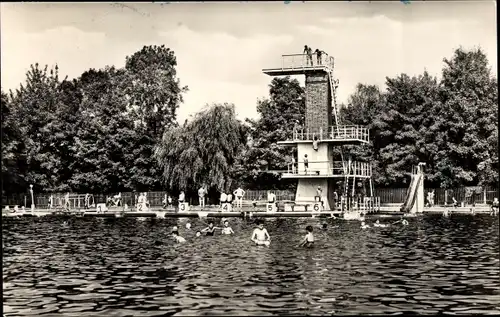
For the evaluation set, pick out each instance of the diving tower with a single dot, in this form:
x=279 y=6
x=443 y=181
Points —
x=321 y=135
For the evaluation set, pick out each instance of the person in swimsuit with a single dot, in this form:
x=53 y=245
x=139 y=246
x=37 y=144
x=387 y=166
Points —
x=210 y=230
x=260 y=236
x=306 y=163
x=176 y=236
x=308 y=240
x=239 y=193
x=223 y=198
x=378 y=224
x=226 y=229
x=201 y=196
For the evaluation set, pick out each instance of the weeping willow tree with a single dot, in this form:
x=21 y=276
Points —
x=202 y=151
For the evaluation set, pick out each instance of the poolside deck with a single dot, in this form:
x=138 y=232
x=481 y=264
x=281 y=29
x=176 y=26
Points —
x=385 y=211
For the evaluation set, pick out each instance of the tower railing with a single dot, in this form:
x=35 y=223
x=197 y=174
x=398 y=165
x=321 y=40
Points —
x=327 y=168
x=346 y=132
x=302 y=61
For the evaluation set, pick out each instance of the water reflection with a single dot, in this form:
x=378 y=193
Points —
x=130 y=267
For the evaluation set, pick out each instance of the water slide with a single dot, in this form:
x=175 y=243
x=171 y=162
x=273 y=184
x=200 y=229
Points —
x=411 y=194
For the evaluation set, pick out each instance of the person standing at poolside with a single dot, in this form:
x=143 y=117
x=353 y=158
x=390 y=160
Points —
x=66 y=201
x=223 y=198
x=230 y=198
x=51 y=201
x=239 y=193
x=201 y=195
x=260 y=236
x=271 y=197
x=182 y=197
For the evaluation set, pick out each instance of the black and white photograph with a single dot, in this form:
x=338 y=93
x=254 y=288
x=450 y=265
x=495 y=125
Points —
x=250 y=158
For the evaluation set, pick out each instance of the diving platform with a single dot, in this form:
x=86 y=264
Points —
x=346 y=134
x=326 y=169
x=300 y=64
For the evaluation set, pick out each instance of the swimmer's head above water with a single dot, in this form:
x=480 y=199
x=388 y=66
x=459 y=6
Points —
x=198 y=233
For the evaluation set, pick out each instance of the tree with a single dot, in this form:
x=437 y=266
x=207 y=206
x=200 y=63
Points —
x=34 y=105
x=154 y=93
x=278 y=114
x=203 y=151
x=13 y=151
x=403 y=126
x=104 y=138
x=466 y=121
x=364 y=108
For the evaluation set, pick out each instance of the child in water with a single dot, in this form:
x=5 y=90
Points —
x=364 y=225
x=378 y=224
x=308 y=240
x=226 y=229
x=210 y=230
x=260 y=236
x=176 y=236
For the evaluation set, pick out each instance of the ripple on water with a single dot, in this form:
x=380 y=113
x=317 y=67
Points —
x=116 y=268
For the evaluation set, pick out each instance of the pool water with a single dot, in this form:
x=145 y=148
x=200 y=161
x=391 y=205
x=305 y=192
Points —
x=131 y=267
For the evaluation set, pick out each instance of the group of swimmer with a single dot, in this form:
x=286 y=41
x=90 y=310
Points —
x=260 y=236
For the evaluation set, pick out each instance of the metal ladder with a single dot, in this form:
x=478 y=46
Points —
x=333 y=89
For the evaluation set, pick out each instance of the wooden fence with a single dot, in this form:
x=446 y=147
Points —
x=387 y=196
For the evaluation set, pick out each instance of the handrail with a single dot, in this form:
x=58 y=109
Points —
x=337 y=132
x=303 y=61
x=329 y=168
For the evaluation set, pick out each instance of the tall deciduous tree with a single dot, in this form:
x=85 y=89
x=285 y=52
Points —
x=104 y=138
x=154 y=94
x=202 y=151
x=13 y=150
x=466 y=121
x=35 y=106
x=278 y=115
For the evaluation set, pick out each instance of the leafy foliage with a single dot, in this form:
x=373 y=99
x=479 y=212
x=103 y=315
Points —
x=203 y=151
x=451 y=124
x=278 y=115
x=114 y=129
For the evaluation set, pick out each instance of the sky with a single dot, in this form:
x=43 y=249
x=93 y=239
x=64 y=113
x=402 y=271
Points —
x=221 y=48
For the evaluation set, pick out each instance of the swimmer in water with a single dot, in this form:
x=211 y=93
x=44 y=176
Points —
x=364 y=225
x=404 y=222
x=226 y=229
x=324 y=226
x=188 y=226
x=260 y=236
x=308 y=240
x=210 y=230
x=198 y=233
x=177 y=237
x=378 y=224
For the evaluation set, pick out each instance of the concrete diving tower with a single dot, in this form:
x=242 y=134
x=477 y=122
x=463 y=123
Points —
x=321 y=133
